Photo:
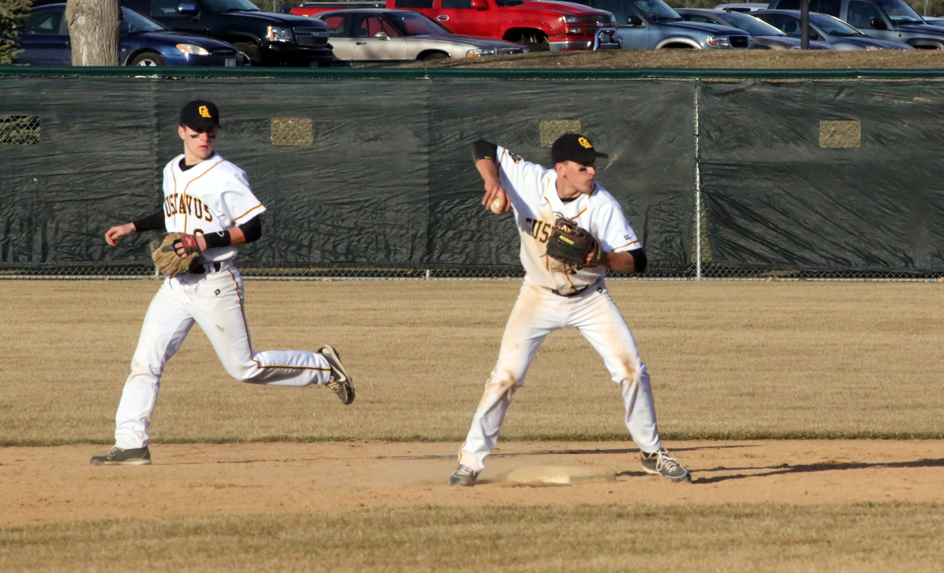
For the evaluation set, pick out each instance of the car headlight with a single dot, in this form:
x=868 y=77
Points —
x=872 y=48
x=192 y=50
x=280 y=34
x=477 y=52
x=572 y=20
x=718 y=42
x=575 y=30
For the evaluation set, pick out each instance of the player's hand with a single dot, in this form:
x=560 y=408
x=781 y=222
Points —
x=201 y=242
x=117 y=232
x=493 y=191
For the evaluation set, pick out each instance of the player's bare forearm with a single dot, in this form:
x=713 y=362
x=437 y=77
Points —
x=117 y=232
x=493 y=188
x=621 y=262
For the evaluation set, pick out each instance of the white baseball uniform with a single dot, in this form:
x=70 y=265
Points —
x=211 y=196
x=554 y=296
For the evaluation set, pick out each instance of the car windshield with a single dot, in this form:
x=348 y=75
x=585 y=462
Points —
x=899 y=12
x=231 y=6
x=134 y=23
x=656 y=10
x=833 y=26
x=751 y=25
x=509 y=2
x=415 y=24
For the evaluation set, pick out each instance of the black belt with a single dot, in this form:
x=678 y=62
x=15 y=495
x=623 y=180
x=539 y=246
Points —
x=576 y=292
x=200 y=269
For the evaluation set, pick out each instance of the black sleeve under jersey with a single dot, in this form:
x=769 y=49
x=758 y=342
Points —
x=639 y=260
x=153 y=222
x=252 y=229
x=482 y=149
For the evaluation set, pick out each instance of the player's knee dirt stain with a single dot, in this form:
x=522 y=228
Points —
x=498 y=386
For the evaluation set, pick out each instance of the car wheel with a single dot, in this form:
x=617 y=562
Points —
x=536 y=42
x=250 y=52
x=148 y=59
x=435 y=56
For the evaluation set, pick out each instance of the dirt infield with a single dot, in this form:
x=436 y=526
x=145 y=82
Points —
x=47 y=485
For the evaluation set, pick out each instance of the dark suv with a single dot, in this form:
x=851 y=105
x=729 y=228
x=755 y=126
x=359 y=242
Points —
x=880 y=19
x=265 y=38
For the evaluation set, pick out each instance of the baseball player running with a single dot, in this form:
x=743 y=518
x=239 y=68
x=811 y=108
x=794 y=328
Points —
x=549 y=206
x=208 y=200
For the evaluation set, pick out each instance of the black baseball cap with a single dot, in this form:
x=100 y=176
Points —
x=200 y=114
x=574 y=147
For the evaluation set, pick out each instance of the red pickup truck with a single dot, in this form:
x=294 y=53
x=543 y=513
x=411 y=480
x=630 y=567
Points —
x=539 y=24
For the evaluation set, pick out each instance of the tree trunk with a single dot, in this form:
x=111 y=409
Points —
x=93 y=29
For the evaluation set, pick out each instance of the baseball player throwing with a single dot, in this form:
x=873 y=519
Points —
x=208 y=201
x=558 y=210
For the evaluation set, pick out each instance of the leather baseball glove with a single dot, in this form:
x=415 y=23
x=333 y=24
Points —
x=166 y=259
x=573 y=245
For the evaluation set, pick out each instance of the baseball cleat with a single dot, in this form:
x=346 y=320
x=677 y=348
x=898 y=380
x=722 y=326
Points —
x=340 y=382
x=463 y=475
x=120 y=457
x=659 y=463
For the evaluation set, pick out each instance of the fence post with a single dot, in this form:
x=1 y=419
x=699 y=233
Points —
x=697 y=190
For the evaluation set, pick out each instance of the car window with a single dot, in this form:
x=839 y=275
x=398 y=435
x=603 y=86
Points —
x=618 y=7
x=861 y=14
x=413 y=4
x=133 y=23
x=164 y=7
x=751 y=25
x=415 y=24
x=789 y=5
x=656 y=10
x=337 y=25
x=371 y=25
x=457 y=4
x=899 y=11
x=833 y=26
x=831 y=7
x=44 y=23
x=780 y=22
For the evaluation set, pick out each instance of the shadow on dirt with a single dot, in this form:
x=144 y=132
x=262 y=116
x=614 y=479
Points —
x=803 y=468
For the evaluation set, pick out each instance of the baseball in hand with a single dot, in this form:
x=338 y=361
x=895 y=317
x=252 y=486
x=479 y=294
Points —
x=496 y=206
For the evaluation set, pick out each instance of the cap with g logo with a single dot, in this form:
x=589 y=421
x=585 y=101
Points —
x=199 y=115
x=574 y=147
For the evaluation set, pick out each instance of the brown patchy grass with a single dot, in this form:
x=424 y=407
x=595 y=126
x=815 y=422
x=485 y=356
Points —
x=734 y=537
x=728 y=360
x=725 y=59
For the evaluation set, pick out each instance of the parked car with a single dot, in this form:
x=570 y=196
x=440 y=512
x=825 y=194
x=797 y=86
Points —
x=652 y=24
x=892 y=20
x=266 y=38
x=741 y=7
x=379 y=35
x=827 y=29
x=44 y=39
x=763 y=35
x=555 y=26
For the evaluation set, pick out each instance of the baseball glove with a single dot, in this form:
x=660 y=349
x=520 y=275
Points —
x=166 y=259
x=572 y=245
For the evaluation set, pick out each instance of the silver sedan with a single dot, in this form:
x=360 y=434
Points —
x=378 y=35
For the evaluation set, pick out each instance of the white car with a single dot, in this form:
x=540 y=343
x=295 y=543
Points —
x=379 y=35
x=741 y=7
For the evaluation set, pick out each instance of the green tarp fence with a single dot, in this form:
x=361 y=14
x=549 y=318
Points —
x=372 y=169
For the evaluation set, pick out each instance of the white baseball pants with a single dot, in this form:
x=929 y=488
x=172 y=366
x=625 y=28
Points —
x=537 y=313
x=215 y=302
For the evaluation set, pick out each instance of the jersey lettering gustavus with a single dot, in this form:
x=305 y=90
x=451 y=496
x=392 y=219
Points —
x=532 y=190
x=209 y=197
